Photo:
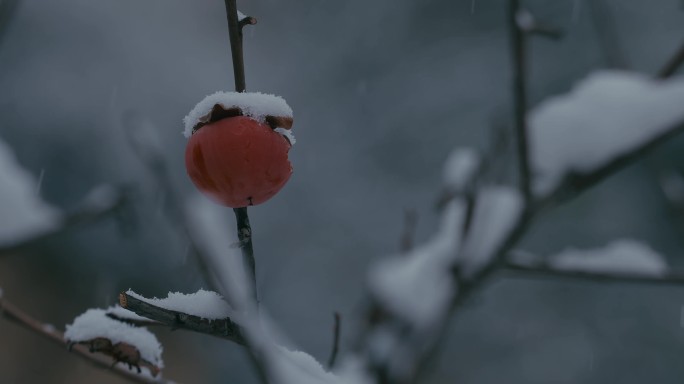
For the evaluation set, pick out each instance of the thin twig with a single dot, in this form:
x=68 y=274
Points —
x=336 y=340
x=223 y=328
x=673 y=64
x=13 y=313
x=235 y=33
x=518 y=57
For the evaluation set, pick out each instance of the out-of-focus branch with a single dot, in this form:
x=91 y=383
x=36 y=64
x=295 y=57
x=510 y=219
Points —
x=16 y=315
x=101 y=203
x=519 y=87
x=576 y=183
x=7 y=9
x=223 y=328
x=546 y=271
x=672 y=64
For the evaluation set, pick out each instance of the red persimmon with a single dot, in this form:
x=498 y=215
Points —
x=238 y=161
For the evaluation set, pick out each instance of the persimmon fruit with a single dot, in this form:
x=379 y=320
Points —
x=238 y=161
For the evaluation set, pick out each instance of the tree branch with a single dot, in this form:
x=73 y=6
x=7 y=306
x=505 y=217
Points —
x=235 y=35
x=222 y=328
x=575 y=183
x=16 y=315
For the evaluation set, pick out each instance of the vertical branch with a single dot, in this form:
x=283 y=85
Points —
x=518 y=53
x=243 y=228
x=245 y=238
x=235 y=33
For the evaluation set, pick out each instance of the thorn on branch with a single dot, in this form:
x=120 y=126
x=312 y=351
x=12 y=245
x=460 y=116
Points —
x=247 y=20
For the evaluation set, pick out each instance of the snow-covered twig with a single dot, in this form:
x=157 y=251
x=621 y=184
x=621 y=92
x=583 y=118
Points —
x=11 y=312
x=223 y=328
x=577 y=182
x=622 y=260
x=550 y=272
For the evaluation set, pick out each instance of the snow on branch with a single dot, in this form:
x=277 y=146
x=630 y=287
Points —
x=135 y=346
x=204 y=304
x=497 y=211
x=417 y=287
x=609 y=115
x=460 y=169
x=290 y=366
x=24 y=213
x=623 y=259
x=13 y=313
x=30 y=216
x=276 y=364
x=101 y=202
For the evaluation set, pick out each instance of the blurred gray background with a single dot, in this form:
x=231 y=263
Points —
x=382 y=91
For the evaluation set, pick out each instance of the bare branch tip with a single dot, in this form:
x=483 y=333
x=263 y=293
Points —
x=123 y=300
